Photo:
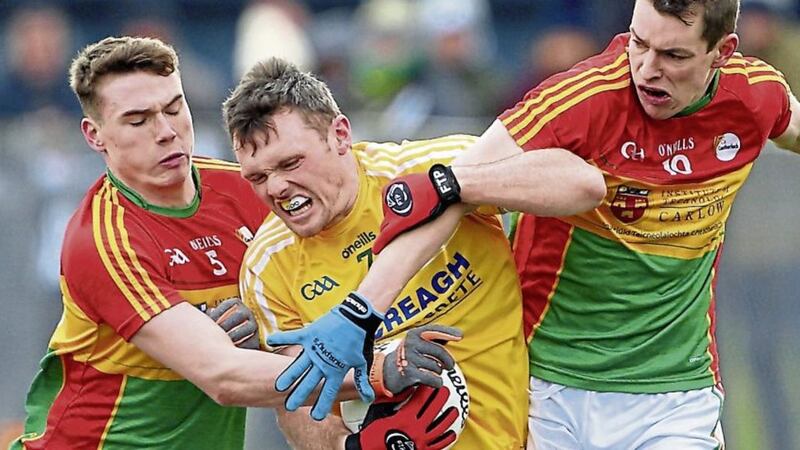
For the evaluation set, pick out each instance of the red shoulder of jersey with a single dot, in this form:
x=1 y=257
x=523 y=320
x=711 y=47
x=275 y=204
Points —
x=566 y=109
x=225 y=179
x=111 y=264
x=762 y=89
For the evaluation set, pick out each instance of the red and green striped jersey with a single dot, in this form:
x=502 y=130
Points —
x=123 y=262
x=621 y=298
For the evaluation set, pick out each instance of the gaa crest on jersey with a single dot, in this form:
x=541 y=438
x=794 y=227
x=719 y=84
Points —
x=727 y=146
x=398 y=198
x=629 y=204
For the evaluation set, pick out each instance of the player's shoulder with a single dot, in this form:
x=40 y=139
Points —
x=101 y=225
x=217 y=170
x=392 y=158
x=273 y=240
x=751 y=77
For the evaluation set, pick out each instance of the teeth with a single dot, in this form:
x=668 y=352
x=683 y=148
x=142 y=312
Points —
x=294 y=203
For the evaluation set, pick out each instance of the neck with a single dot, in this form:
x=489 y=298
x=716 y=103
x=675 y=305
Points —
x=175 y=196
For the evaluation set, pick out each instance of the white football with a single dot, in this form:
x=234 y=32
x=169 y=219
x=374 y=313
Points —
x=353 y=411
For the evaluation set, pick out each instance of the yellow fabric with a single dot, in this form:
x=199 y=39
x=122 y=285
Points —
x=471 y=284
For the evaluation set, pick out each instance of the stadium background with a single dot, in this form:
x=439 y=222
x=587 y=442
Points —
x=400 y=69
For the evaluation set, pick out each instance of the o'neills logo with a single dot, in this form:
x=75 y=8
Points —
x=362 y=241
x=727 y=146
x=629 y=204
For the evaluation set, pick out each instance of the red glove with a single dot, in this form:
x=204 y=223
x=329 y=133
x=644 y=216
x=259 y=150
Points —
x=412 y=200
x=415 y=425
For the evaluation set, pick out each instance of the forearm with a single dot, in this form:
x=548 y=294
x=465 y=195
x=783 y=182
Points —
x=547 y=182
x=304 y=433
x=404 y=256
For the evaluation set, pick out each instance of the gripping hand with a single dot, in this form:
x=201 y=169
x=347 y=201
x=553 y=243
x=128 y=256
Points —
x=333 y=344
x=412 y=200
x=418 y=359
x=416 y=424
x=238 y=321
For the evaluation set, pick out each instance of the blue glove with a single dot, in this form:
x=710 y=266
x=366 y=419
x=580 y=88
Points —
x=333 y=344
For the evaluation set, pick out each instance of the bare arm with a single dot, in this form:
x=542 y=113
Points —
x=404 y=256
x=493 y=171
x=790 y=139
x=187 y=341
x=304 y=433
x=547 y=182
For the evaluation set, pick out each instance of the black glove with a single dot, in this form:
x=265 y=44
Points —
x=418 y=359
x=238 y=321
x=415 y=425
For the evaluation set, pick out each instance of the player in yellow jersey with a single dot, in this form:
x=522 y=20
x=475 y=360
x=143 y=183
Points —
x=295 y=148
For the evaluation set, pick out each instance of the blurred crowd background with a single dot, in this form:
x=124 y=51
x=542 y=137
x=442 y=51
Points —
x=399 y=69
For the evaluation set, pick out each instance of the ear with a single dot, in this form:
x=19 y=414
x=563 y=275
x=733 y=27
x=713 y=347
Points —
x=91 y=132
x=725 y=50
x=340 y=135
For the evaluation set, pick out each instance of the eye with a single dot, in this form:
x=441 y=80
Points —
x=292 y=164
x=637 y=43
x=257 y=179
x=173 y=110
x=676 y=56
x=137 y=123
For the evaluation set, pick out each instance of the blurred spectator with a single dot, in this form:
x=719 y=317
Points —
x=460 y=74
x=767 y=32
x=332 y=35
x=38 y=47
x=555 y=51
x=273 y=28
x=385 y=59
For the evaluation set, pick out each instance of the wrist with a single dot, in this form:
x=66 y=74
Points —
x=360 y=311
x=446 y=184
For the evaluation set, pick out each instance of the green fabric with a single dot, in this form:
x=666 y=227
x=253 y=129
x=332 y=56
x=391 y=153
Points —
x=164 y=415
x=157 y=415
x=138 y=200
x=702 y=101
x=623 y=321
x=42 y=393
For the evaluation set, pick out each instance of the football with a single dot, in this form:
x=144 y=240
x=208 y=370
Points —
x=354 y=411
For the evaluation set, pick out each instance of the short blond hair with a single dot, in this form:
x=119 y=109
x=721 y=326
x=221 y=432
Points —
x=116 y=55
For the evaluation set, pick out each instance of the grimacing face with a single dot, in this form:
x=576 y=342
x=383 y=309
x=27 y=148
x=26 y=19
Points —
x=669 y=60
x=144 y=133
x=310 y=181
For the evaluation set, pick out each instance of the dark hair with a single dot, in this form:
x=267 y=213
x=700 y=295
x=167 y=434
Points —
x=719 y=16
x=270 y=87
x=117 y=55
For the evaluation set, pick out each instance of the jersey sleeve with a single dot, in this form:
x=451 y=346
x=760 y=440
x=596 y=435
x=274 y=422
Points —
x=390 y=160
x=264 y=290
x=115 y=269
x=770 y=97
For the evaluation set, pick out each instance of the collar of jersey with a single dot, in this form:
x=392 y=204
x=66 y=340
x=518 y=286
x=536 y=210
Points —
x=138 y=200
x=702 y=101
x=353 y=218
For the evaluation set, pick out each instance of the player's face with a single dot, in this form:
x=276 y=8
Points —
x=309 y=180
x=670 y=62
x=144 y=132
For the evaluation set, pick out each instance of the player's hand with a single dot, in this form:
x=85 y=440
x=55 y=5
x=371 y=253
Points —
x=333 y=344
x=238 y=321
x=412 y=200
x=418 y=359
x=415 y=425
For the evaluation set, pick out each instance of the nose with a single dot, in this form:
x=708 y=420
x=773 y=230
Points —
x=650 y=67
x=277 y=185
x=164 y=131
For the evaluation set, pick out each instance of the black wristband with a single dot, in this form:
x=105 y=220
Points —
x=445 y=183
x=360 y=312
